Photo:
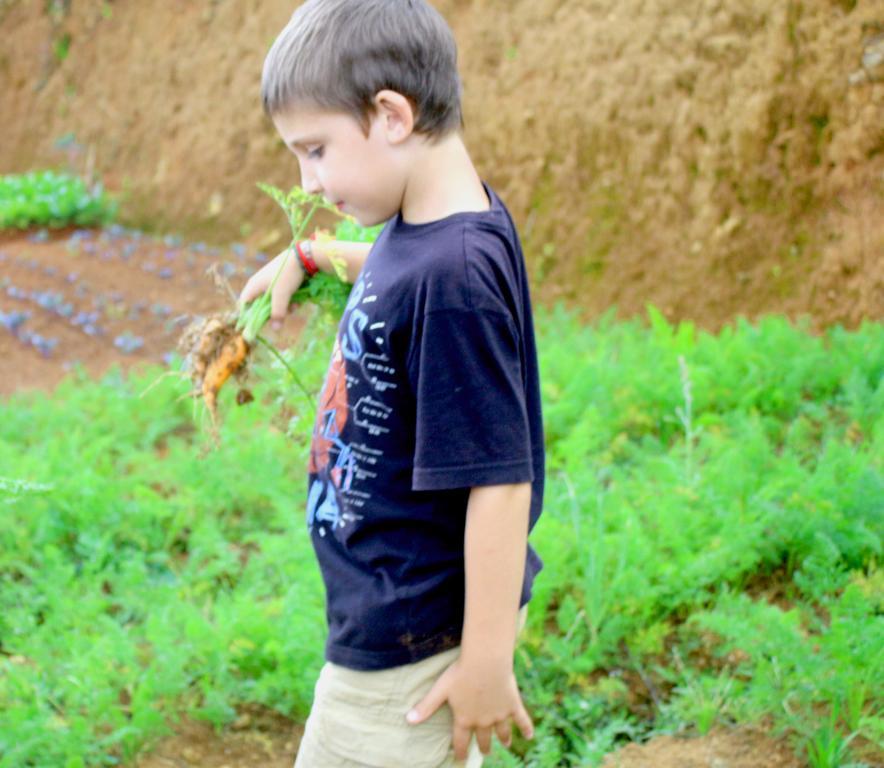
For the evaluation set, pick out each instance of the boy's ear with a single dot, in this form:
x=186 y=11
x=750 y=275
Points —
x=396 y=115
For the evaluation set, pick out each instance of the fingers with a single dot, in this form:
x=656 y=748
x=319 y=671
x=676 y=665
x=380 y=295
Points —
x=436 y=697
x=461 y=738
x=286 y=284
x=282 y=292
x=461 y=741
x=504 y=731
x=523 y=721
x=251 y=290
x=483 y=739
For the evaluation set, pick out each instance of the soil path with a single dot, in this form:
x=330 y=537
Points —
x=260 y=737
x=738 y=748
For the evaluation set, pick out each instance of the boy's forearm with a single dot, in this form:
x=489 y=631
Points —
x=352 y=254
x=495 y=544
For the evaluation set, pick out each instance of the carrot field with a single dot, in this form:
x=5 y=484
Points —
x=712 y=538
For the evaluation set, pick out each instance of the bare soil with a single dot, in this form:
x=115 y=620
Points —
x=720 y=748
x=258 y=737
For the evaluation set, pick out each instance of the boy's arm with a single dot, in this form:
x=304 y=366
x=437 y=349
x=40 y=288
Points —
x=352 y=254
x=495 y=542
x=480 y=686
x=292 y=275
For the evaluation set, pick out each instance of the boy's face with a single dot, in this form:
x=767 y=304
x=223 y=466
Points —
x=360 y=174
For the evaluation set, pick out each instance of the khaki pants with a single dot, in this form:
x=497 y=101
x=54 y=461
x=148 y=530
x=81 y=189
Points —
x=358 y=719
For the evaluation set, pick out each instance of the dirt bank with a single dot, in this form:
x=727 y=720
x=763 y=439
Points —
x=710 y=158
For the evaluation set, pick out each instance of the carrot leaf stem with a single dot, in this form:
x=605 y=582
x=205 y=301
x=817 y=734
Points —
x=291 y=371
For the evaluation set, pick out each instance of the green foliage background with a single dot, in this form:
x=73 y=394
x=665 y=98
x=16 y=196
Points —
x=53 y=199
x=711 y=536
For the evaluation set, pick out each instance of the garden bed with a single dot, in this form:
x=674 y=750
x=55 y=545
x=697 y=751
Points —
x=102 y=297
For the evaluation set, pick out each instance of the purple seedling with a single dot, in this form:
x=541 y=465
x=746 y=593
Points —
x=12 y=321
x=87 y=322
x=43 y=345
x=47 y=300
x=127 y=343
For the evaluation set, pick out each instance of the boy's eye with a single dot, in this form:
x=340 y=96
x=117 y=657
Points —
x=315 y=153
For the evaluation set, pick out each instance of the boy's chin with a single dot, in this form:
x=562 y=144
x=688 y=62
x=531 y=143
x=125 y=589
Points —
x=365 y=220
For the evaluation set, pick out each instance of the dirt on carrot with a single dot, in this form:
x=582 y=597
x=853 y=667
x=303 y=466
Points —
x=214 y=351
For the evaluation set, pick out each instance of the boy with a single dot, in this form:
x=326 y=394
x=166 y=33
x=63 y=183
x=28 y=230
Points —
x=426 y=465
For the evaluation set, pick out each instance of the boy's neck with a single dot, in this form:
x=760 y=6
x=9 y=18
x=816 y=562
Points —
x=442 y=181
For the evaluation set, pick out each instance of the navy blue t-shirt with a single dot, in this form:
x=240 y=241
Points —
x=432 y=389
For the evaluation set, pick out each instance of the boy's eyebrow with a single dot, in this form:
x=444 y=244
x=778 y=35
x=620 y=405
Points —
x=304 y=141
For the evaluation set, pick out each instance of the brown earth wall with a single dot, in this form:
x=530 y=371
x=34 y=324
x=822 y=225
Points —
x=713 y=158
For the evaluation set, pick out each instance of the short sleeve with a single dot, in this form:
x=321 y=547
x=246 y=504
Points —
x=471 y=420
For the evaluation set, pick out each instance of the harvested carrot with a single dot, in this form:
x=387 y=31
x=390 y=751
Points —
x=214 y=351
x=230 y=359
x=203 y=353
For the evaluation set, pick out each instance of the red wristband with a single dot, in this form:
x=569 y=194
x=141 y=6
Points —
x=306 y=260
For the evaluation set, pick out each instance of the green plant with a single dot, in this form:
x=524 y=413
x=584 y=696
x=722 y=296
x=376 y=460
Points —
x=52 y=199
x=827 y=745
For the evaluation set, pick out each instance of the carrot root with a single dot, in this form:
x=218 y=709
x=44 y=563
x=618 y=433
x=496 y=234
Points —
x=230 y=359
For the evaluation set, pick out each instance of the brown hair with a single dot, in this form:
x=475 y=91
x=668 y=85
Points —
x=338 y=54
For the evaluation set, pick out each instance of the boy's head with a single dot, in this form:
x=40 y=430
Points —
x=350 y=85
x=338 y=54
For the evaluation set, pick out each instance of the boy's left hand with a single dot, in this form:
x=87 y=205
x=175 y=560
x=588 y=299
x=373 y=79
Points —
x=484 y=699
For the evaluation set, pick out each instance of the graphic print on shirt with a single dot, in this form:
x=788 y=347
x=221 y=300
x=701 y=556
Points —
x=352 y=401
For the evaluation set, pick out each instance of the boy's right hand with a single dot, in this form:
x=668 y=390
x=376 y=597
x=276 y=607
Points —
x=289 y=281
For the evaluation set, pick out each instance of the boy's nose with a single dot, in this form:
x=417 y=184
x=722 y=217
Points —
x=310 y=183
